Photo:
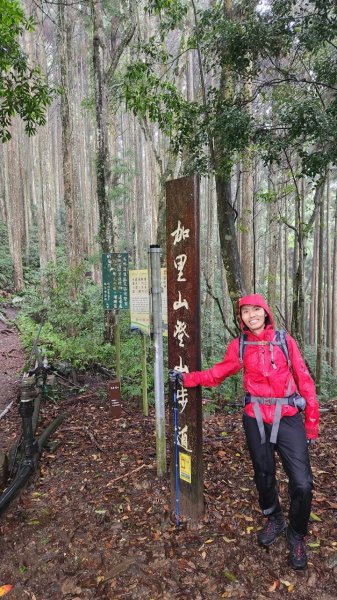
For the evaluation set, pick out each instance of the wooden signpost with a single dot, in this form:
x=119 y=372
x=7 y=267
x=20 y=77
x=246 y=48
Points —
x=183 y=300
x=115 y=276
x=115 y=272
x=114 y=398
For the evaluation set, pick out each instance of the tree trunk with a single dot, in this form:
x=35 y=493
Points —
x=103 y=172
x=14 y=208
x=118 y=39
x=210 y=243
x=225 y=210
x=228 y=242
x=334 y=304
x=281 y=276
x=273 y=241
x=298 y=281
x=328 y=275
x=297 y=324
x=64 y=49
x=247 y=212
x=166 y=163
x=314 y=286
x=286 y=275
x=320 y=301
x=247 y=249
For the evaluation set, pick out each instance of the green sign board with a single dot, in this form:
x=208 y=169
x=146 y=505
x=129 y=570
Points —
x=115 y=272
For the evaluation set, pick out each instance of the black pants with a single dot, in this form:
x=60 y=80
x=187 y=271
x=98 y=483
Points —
x=292 y=448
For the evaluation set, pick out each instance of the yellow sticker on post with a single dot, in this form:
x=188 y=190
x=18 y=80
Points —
x=185 y=472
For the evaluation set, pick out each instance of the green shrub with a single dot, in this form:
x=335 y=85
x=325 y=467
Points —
x=329 y=382
x=6 y=263
x=73 y=327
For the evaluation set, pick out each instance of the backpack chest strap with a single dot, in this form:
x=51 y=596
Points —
x=279 y=340
x=258 y=343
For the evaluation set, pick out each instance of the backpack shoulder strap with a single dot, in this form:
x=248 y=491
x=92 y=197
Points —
x=281 y=340
x=242 y=339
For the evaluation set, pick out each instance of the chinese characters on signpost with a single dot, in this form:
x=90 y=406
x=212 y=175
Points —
x=115 y=272
x=115 y=275
x=183 y=298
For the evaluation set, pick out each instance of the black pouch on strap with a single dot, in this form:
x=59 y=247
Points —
x=299 y=402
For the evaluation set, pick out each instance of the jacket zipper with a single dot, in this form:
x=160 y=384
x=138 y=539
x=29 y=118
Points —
x=263 y=363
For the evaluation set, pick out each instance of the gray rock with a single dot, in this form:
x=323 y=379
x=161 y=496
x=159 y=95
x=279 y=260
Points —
x=331 y=563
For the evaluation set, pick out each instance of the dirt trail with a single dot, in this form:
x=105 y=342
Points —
x=11 y=359
x=95 y=522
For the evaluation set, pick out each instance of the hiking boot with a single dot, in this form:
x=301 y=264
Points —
x=297 y=555
x=274 y=527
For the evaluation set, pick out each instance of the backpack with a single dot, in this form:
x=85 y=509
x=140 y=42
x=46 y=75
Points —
x=280 y=339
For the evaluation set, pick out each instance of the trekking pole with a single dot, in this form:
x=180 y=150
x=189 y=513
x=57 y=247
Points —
x=176 y=451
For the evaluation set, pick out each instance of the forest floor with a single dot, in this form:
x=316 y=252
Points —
x=94 y=522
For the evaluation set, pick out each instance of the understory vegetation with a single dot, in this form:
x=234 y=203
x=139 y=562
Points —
x=71 y=330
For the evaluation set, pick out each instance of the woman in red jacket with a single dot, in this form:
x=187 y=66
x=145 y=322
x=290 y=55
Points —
x=276 y=387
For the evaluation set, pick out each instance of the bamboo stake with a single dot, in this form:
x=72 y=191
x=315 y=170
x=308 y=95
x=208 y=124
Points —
x=4 y=412
x=126 y=474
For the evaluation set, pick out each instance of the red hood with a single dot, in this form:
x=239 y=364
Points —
x=256 y=300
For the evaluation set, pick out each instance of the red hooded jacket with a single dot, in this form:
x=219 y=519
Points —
x=260 y=378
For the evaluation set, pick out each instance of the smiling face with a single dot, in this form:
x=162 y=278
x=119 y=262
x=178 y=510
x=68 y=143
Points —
x=253 y=317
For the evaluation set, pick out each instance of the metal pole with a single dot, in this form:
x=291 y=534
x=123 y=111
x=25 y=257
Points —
x=157 y=322
x=118 y=347
x=144 y=374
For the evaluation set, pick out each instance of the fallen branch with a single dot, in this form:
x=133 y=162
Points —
x=105 y=371
x=93 y=439
x=82 y=397
x=91 y=435
x=66 y=382
x=4 y=412
x=126 y=475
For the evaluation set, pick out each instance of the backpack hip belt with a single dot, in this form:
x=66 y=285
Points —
x=293 y=400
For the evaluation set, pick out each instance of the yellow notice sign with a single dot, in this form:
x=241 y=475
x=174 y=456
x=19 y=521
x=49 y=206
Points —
x=140 y=300
x=185 y=467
